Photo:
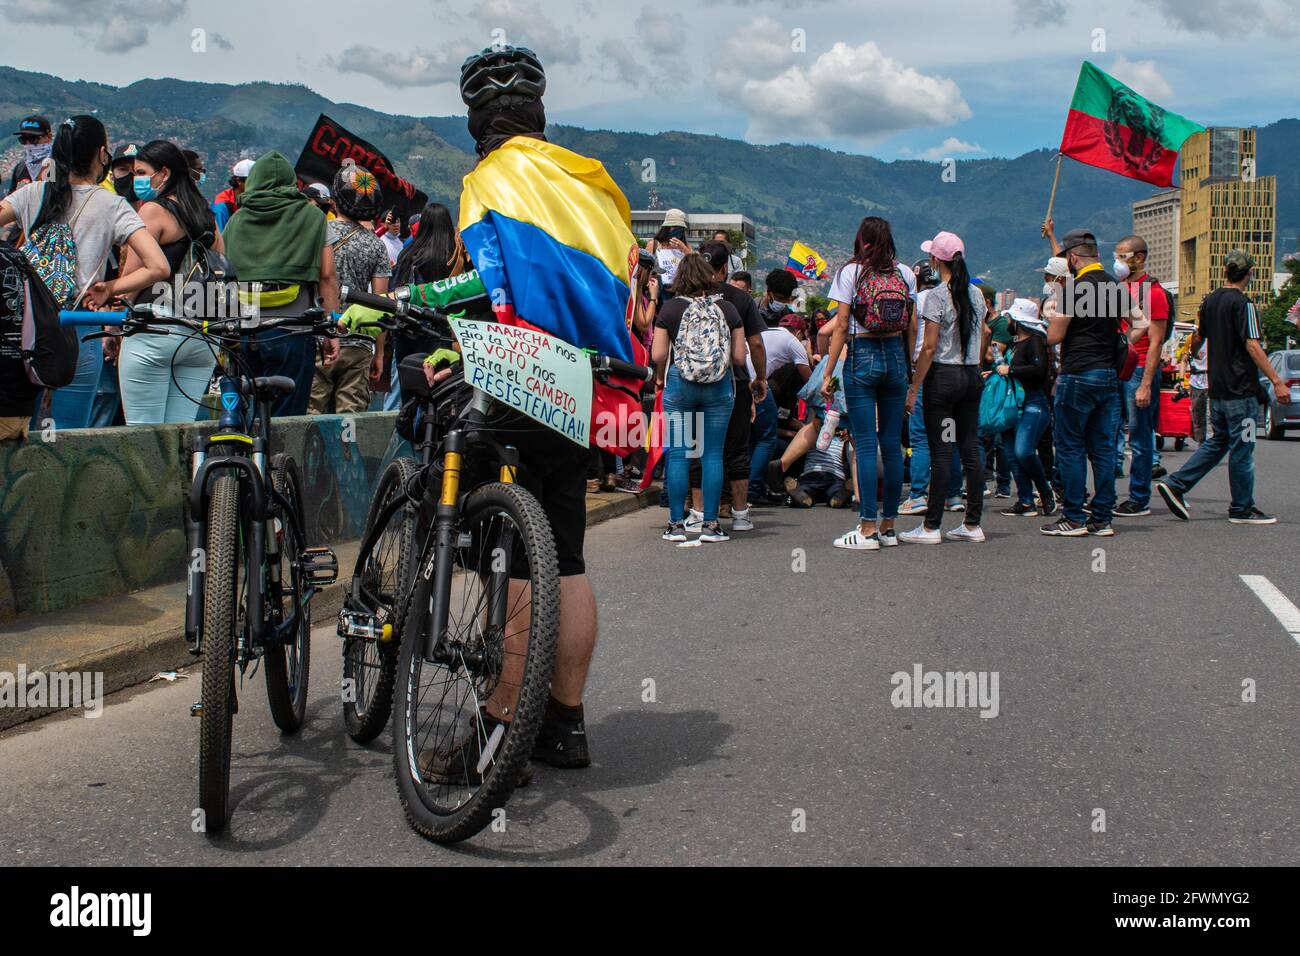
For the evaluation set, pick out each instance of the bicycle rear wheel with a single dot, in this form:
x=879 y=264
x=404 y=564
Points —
x=370 y=665
x=455 y=761
x=288 y=665
x=220 y=636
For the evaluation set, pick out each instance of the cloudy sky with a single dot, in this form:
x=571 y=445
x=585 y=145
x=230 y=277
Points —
x=894 y=79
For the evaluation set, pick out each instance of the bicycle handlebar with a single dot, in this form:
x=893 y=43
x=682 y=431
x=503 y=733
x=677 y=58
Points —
x=138 y=318
x=416 y=315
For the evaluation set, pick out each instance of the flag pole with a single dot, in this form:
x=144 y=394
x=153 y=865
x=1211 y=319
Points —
x=1056 y=181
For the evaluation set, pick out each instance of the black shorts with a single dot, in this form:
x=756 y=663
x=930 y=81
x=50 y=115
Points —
x=554 y=471
x=735 y=449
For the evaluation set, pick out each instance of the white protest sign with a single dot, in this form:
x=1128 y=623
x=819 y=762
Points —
x=534 y=373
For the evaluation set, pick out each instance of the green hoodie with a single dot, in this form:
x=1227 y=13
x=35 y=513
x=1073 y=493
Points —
x=277 y=234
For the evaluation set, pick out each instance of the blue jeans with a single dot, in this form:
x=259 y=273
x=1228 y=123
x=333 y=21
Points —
x=1087 y=406
x=1128 y=415
x=685 y=405
x=875 y=391
x=921 y=454
x=1021 y=449
x=762 y=444
x=278 y=353
x=1141 y=439
x=1227 y=423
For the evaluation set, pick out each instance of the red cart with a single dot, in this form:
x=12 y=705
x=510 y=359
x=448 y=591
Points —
x=1175 y=418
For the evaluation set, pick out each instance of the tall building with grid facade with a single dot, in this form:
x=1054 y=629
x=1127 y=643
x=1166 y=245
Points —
x=1156 y=220
x=1225 y=206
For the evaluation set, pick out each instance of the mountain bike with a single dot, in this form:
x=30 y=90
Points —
x=251 y=571
x=472 y=627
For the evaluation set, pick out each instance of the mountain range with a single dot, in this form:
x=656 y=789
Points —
x=807 y=193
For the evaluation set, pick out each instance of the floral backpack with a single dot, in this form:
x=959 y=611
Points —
x=52 y=251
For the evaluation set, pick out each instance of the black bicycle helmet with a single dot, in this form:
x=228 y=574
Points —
x=499 y=77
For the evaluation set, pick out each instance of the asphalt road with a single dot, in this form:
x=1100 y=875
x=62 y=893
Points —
x=1118 y=691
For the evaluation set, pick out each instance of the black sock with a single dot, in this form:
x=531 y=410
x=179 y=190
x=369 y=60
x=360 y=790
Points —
x=554 y=707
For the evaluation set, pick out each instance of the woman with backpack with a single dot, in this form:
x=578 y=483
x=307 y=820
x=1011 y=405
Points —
x=698 y=337
x=874 y=293
x=164 y=377
x=1029 y=363
x=72 y=225
x=949 y=367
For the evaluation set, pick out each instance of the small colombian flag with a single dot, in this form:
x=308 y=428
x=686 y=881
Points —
x=806 y=263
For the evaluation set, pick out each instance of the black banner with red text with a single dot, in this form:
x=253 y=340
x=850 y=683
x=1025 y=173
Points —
x=330 y=144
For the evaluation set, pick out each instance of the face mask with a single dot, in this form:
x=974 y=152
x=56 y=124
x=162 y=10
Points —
x=124 y=186
x=203 y=178
x=35 y=155
x=1049 y=288
x=1121 y=270
x=144 y=190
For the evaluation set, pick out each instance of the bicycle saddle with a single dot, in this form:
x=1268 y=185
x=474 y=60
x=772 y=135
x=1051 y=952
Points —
x=274 y=383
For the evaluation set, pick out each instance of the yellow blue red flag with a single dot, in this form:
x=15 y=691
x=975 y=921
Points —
x=550 y=233
x=807 y=263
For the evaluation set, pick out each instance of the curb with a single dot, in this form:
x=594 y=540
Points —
x=134 y=662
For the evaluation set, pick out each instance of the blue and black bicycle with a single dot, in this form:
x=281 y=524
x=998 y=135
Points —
x=252 y=572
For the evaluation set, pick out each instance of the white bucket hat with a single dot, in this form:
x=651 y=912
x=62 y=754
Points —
x=1024 y=312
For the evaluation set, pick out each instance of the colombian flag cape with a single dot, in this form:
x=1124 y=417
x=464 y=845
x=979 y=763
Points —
x=550 y=234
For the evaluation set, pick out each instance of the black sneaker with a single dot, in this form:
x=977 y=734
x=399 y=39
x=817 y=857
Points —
x=562 y=743
x=1020 y=510
x=1100 y=529
x=1253 y=516
x=676 y=531
x=458 y=764
x=1159 y=471
x=1131 y=509
x=1174 y=499
x=776 y=477
x=1064 y=528
x=1047 y=508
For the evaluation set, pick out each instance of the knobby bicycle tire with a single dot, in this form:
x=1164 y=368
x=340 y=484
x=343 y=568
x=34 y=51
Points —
x=220 y=620
x=286 y=685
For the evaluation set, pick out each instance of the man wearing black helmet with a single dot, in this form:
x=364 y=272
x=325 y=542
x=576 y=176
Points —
x=549 y=232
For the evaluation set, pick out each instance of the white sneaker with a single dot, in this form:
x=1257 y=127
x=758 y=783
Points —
x=740 y=521
x=889 y=539
x=694 y=521
x=913 y=506
x=854 y=541
x=963 y=533
x=921 y=535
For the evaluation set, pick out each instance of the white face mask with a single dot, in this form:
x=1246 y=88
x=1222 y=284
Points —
x=1121 y=270
x=1049 y=288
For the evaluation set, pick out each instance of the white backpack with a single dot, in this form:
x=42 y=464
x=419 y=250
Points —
x=702 y=350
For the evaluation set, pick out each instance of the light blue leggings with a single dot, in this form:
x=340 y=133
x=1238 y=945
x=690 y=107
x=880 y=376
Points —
x=146 y=369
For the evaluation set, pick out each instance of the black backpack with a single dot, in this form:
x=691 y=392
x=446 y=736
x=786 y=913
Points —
x=29 y=324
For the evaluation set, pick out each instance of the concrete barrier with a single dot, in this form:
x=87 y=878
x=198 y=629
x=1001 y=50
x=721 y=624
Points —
x=91 y=513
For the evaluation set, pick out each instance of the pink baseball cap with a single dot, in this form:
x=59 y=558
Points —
x=945 y=246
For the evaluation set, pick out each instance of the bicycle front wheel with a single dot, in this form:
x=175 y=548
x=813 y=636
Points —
x=220 y=637
x=370 y=665
x=465 y=722
x=288 y=664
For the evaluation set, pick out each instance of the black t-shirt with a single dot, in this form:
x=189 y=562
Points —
x=750 y=318
x=670 y=316
x=1096 y=305
x=1228 y=321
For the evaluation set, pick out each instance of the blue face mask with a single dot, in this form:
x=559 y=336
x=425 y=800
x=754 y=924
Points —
x=144 y=190
x=203 y=177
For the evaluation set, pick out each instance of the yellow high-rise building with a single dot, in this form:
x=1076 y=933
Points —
x=1225 y=206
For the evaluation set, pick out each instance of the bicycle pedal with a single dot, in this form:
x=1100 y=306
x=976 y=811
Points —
x=320 y=566
x=364 y=626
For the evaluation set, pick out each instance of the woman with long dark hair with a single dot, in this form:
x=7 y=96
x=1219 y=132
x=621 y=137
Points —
x=874 y=292
x=949 y=367
x=163 y=377
x=71 y=209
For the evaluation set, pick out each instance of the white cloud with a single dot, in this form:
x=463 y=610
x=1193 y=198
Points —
x=523 y=23
x=1143 y=77
x=662 y=32
x=125 y=24
x=848 y=92
x=619 y=60
x=950 y=147
x=1039 y=13
x=1230 y=17
x=400 y=70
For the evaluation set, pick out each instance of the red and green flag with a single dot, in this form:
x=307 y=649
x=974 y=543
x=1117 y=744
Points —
x=1110 y=126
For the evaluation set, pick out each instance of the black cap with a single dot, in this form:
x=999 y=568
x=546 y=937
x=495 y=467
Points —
x=125 y=151
x=1077 y=237
x=33 y=126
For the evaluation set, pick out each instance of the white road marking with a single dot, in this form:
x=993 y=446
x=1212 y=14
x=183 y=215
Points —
x=1287 y=614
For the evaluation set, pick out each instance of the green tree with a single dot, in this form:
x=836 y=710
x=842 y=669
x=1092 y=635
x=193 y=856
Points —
x=1273 y=319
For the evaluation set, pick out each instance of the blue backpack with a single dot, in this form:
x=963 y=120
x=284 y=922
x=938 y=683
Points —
x=1000 y=405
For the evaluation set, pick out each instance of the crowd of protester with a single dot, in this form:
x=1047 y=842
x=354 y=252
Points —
x=877 y=404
